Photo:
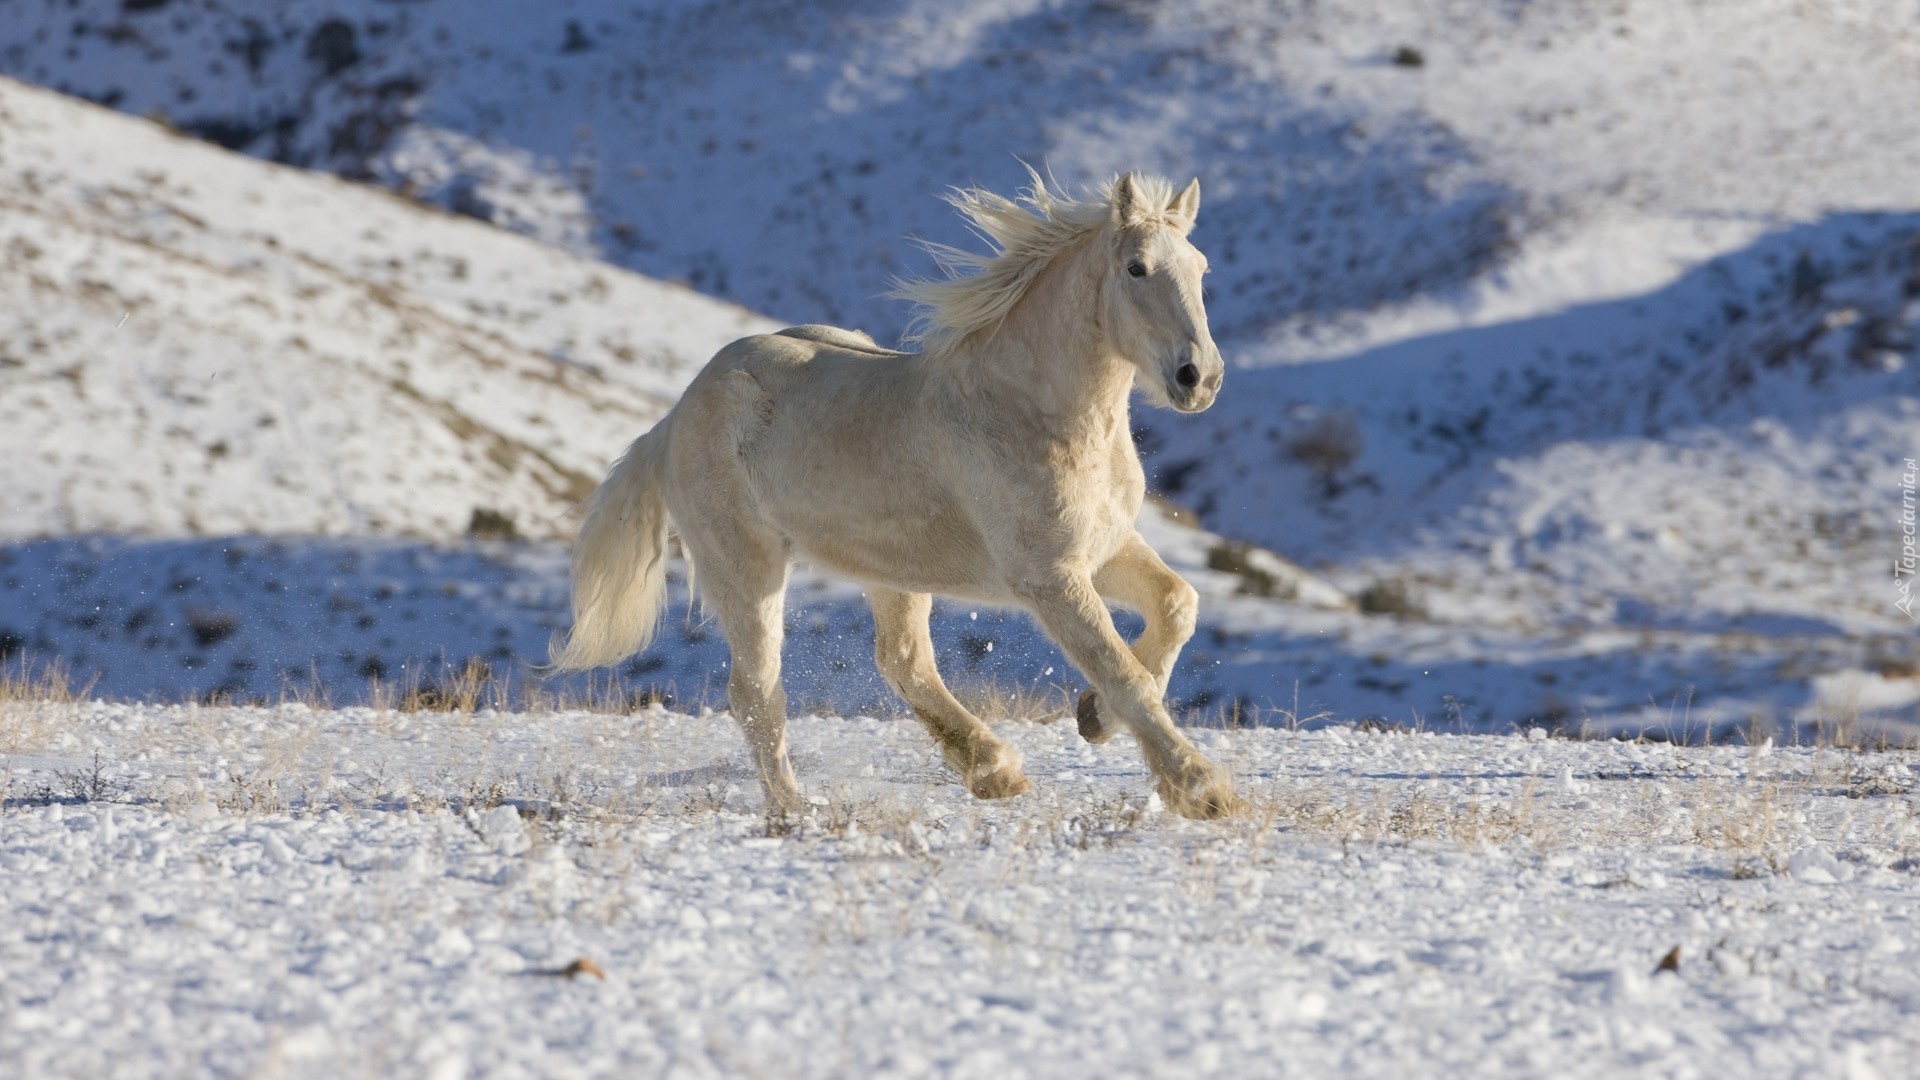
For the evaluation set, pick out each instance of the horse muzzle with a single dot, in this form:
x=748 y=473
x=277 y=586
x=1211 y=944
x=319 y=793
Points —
x=1192 y=386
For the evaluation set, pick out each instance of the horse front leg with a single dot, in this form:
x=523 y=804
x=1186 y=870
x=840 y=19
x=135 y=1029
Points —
x=1138 y=579
x=1071 y=610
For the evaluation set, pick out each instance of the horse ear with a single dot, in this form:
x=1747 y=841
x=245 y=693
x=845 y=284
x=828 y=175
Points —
x=1186 y=205
x=1124 y=199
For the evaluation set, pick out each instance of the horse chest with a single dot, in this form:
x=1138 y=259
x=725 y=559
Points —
x=1099 y=487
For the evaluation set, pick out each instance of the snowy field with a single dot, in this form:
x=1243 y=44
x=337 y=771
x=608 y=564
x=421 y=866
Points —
x=296 y=892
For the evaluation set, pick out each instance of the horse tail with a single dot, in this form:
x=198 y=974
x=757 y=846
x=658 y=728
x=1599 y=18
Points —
x=619 y=561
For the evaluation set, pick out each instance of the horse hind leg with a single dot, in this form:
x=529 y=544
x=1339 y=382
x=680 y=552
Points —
x=903 y=650
x=747 y=590
x=743 y=563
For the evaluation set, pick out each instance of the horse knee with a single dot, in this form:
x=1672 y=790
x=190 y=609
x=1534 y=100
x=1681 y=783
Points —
x=1181 y=609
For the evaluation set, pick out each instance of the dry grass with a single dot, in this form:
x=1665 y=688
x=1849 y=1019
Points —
x=1759 y=813
x=456 y=744
x=30 y=697
x=1405 y=811
x=25 y=682
x=476 y=685
x=1845 y=724
x=1327 y=444
x=1035 y=703
x=461 y=691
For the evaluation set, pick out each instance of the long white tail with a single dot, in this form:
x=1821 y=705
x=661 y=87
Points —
x=619 y=561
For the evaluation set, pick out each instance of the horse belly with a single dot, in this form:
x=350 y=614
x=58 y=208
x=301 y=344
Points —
x=934 y=552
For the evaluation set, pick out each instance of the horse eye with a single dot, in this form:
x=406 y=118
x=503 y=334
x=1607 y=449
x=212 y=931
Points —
x=1136 y=270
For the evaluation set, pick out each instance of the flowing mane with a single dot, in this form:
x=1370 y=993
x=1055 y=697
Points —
x=979 y=290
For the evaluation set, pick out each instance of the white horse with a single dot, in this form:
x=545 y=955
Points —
x=996 y=464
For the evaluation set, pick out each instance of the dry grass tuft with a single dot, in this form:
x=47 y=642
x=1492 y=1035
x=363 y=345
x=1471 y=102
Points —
x=1845 y=725
x=26 y=682
x=584 y=966
x=610 y=697
x=1409 y=813
x=460 y=692
x=451 y=691
x=1037 y=703
x=29 y=694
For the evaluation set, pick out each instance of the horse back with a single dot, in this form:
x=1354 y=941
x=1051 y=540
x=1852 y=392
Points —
x=839 y=337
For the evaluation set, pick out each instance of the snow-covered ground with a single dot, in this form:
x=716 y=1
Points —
x=298 y=892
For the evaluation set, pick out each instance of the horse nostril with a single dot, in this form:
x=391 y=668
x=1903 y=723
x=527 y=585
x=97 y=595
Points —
x=1188 y=376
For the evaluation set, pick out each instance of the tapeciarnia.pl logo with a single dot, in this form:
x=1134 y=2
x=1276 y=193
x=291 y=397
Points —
x=1904 y=566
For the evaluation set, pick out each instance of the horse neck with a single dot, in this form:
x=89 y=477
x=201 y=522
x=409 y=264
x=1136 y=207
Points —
x=1048 y=357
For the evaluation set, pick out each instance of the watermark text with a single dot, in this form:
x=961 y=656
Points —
x=1908 y=560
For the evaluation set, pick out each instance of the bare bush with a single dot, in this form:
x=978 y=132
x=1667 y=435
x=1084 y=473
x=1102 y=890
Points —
x=1327 y=445
x=1391 y=596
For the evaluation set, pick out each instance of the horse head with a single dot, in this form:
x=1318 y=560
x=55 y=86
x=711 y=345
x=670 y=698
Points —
x=1153 y=305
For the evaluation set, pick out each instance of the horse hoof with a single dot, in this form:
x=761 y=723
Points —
x=1088 y=715
x=1002 y=783
x=787 y=805
x=1204 y=794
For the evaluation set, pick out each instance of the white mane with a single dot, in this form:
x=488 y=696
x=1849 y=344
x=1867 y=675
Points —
x=980 y=290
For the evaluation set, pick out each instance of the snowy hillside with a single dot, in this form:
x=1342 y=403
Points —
x=296 y=892
x=1723 y=453
x=1577 y=344
x=197 y=343
x=1356 y=154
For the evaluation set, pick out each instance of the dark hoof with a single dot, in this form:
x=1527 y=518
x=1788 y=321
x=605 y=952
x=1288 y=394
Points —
x=1088 y=714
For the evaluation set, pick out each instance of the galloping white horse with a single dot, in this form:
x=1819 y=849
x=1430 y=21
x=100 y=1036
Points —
x=996 y=464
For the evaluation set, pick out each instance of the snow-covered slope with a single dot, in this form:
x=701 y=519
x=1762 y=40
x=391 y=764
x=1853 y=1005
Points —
x=1723 y=453
x=777 y=153
x=196 y=342
x=1579 y=342
x=202 y=345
